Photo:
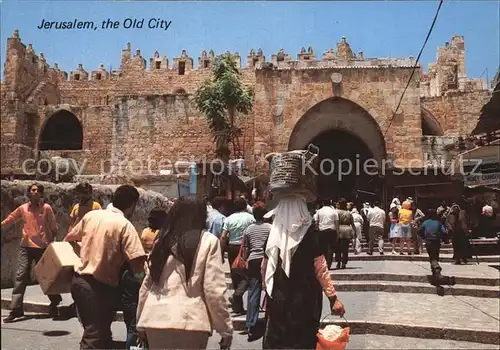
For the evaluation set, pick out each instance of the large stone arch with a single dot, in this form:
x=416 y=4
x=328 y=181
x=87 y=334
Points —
x=430 y=124
x=61 y=131
x=337 y=113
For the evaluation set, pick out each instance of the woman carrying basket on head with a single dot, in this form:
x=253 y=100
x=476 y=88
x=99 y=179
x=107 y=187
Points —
x=296 y=275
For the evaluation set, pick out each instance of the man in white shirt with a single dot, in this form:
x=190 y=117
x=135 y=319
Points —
x=376 y=220
x=249 y=207
x=327 y=221
x=366 y=227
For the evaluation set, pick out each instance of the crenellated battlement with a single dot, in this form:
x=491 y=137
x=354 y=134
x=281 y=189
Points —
x=143 y=109
x=447 y=73
x=184 y=64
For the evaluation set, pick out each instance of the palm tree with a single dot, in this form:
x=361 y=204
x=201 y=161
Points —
x=220 y=99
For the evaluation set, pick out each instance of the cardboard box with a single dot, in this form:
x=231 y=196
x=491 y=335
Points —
x=77 y=247
x=54 y=272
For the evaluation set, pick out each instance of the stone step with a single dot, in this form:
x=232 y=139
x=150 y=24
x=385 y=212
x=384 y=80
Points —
x=420 y=257
x=394 y=277
x=397 y=314
x=413 y=271
x=388 y=249
x=424 y=287
x=389 y=245
x=388 y=242
x=416 y=287
x=446 y=257
x=388 y=277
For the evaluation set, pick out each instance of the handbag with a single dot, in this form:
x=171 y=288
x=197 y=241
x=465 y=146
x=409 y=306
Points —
x=240 y=263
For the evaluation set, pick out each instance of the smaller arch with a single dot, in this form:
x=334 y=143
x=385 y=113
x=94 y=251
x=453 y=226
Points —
x=430 y=124
x=61 y=131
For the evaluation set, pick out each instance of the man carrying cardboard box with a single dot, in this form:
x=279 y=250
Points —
x=108 y=241
x=39 y=230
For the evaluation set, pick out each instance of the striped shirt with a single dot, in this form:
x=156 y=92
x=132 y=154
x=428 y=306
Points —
x=256 y=238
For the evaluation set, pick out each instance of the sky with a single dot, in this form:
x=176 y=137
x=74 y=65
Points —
x=395 y=29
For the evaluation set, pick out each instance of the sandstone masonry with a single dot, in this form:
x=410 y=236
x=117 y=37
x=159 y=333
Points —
x=143 y=111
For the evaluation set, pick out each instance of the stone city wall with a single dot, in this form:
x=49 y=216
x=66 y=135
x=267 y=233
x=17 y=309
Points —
x=60 y=197
x=144 y=109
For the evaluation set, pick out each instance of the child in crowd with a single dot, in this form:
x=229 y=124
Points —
x=156 y=220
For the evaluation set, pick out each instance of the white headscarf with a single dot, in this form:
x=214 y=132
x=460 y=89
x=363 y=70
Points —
x=487 y=210
x=395 y=203
x=291 y=222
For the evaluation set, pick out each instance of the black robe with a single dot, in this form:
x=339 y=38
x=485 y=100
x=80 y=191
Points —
x=293 y=313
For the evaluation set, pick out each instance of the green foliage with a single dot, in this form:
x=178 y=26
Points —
x=220 y=98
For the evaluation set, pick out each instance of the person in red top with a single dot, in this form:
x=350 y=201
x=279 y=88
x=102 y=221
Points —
x=39 y=230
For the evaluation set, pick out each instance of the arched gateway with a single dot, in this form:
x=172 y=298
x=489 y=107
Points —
x=351 y=144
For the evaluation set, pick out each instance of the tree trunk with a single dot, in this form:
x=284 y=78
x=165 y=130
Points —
x=231 y=111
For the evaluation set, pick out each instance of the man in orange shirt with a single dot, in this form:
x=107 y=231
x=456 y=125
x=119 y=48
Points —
x=39 y=230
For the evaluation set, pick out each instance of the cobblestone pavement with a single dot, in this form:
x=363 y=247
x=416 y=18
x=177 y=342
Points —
x=44 y=333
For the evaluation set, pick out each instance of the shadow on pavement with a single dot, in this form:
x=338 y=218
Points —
x=439 y=283
x=55 y=333
x=30 y=317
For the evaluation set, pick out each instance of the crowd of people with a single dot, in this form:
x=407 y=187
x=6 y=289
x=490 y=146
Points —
x=170 y=283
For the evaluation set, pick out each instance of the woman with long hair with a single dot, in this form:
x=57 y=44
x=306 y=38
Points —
x=182 y=298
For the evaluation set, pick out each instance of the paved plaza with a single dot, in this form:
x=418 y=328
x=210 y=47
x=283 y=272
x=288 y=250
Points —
x=36 y=332
x=399 y=315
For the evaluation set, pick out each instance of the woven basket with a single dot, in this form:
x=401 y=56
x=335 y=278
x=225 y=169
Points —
x=290 y=172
